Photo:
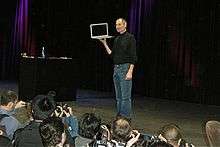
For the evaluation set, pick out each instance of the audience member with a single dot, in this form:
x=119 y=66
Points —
x=70 y=121
x=121 y=130
x=42 y=106
x=122 y=133
x=89 y=125
x=8 y=104
x=171 y=134
x=213 y=133
x=53 y=133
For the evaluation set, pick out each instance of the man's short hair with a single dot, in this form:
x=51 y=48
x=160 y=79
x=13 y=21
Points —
x=89 y=125
x=42 y=106
x=7 y=96
x=124 y=21
x=121 y=129
x=171 y=132
x=51 y=130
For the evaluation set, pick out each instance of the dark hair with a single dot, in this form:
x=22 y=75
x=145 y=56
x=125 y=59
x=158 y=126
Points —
x=42 y=106
x=51 y=130
x=89 y=125
x=5 y=141
x=7 y=96
x=51 y=93
x=121 y=129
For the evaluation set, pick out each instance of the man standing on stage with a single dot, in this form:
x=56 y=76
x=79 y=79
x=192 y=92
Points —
x=124 y=57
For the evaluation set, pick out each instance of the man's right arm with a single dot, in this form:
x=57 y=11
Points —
x=109 y=51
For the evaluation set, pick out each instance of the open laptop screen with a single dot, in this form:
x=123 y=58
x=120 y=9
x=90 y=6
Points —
x=99 y=30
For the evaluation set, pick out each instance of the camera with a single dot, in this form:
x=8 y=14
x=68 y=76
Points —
x=59 y=109
x=65 y=107
x=100 y=143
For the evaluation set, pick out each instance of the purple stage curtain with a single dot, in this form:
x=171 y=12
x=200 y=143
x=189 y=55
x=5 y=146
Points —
x=23 y=39
x=138 y=12
x=15 y=37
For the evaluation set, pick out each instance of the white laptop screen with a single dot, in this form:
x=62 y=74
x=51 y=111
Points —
x=98 y=30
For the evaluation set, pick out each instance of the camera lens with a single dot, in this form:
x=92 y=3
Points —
x=58 y=110
x=65 y=107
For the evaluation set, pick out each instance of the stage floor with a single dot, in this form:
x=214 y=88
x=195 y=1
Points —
x=149 y=113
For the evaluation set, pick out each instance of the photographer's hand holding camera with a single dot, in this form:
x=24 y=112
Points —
x=65 y=112
x=20 y=104
x=58 y=111
x=134 y=138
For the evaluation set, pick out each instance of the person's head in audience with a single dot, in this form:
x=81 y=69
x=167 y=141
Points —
x=171 y=133
x=8 y=103
x=52 y=93
x=121 y=129
x=159 y=144
x=42 y=107
x=52 y=132
x=8 y=100
x=213 y=133
x=89 y=125
x=5 y=141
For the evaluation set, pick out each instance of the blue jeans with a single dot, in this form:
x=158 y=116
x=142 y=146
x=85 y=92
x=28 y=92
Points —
x=122 y=89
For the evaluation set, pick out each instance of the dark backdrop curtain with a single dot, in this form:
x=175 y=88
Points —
x=15 y=37
x=178 y=43
x=23 y=38
x=142 y=18
x=7 y=53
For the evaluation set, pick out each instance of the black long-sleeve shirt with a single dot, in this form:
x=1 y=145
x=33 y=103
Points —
x=124 y=49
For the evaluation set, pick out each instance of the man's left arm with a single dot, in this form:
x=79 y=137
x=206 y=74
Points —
x=133 y=57
x=130 y=72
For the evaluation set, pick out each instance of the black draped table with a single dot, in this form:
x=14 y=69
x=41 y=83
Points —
x=41 y=75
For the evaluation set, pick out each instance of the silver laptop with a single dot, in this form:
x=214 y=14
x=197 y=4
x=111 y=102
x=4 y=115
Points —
x=99 y=31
